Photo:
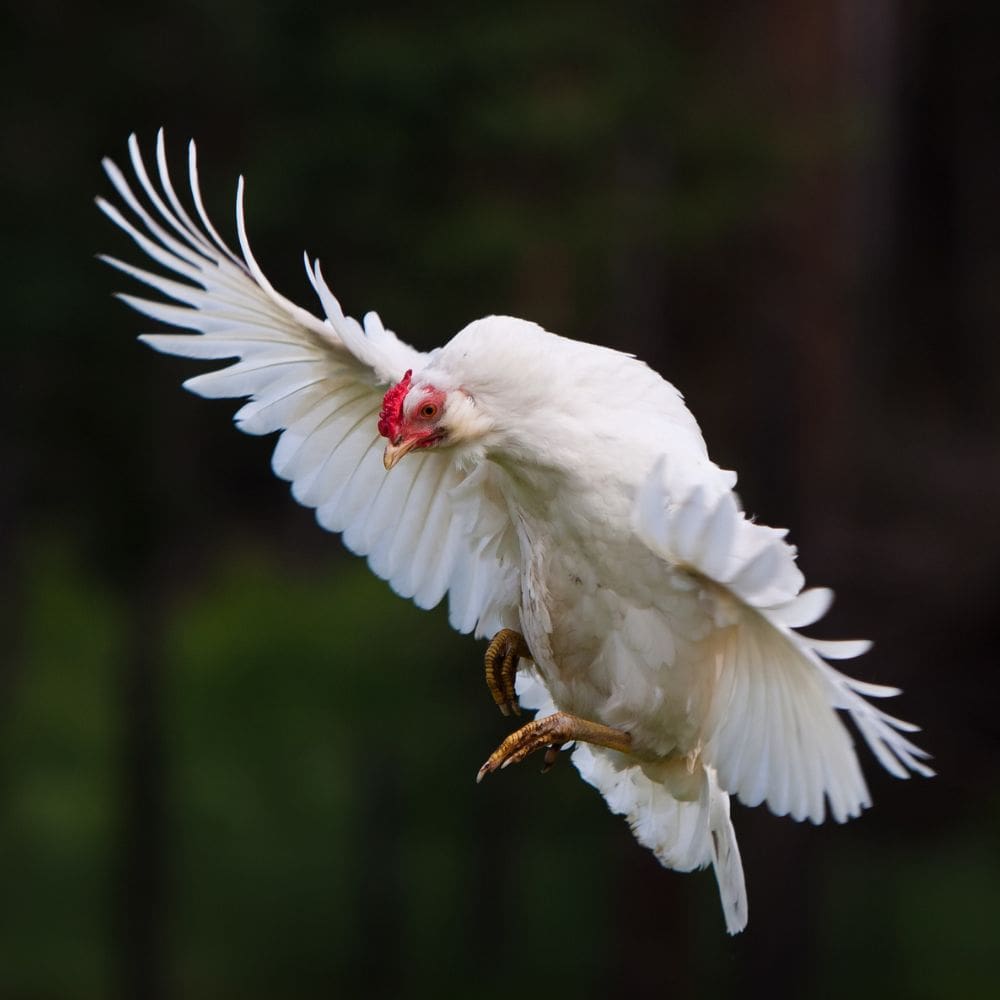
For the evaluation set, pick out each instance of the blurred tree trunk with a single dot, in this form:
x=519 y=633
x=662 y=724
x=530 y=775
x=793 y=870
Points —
x=160 y=524
x=143 y=888
x=829 y=62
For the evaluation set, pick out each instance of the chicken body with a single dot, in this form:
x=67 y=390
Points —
x=615 y=630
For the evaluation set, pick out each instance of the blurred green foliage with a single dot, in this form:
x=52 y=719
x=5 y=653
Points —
x=57 y=754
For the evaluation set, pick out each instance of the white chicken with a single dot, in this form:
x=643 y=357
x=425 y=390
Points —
x=562 y=498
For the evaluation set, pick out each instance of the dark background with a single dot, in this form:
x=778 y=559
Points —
x=232 y=764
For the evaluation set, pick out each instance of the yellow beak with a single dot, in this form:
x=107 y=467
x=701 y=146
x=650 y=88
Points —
x=394 y=452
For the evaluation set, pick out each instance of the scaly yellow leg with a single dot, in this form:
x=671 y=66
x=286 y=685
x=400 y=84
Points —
x=552 y=732
x=504 y=650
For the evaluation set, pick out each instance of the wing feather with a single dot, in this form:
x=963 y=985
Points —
x=326 y=491
x=357 y=492
x=188 y=224
x=433 y=554
x=790 y=751
x=425 y=478
x=301 y=433
x=271 y=412
x=319 y=382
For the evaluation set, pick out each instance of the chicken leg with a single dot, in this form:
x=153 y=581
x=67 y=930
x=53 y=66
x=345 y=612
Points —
x=552 y=732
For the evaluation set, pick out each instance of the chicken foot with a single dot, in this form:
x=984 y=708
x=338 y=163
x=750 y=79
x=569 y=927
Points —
x=504 y=650
x=552 y=732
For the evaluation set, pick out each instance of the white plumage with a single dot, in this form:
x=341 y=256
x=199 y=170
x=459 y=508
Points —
x=559 y=489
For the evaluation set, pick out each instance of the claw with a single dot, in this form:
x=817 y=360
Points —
x=551 y=757
x=505 y=649
x=552 y=732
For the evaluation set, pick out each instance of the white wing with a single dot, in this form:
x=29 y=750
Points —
x=427 y=528
x=770 y=726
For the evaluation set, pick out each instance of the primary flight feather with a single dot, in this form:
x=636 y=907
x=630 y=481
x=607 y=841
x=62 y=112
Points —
x=562 y=498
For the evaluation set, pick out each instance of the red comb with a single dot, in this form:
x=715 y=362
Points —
x=391 y=415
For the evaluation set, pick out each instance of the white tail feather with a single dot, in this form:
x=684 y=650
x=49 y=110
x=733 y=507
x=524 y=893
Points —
x=684 y=833
x=726 y=860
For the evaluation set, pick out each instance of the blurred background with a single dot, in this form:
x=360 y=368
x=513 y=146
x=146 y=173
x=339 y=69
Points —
x=232 y=763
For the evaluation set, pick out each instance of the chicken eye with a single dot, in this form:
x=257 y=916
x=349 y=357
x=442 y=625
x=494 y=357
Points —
x=429 y=411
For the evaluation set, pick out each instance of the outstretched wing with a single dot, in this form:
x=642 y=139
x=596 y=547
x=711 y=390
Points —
x=428 y=528
x=770 y=725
